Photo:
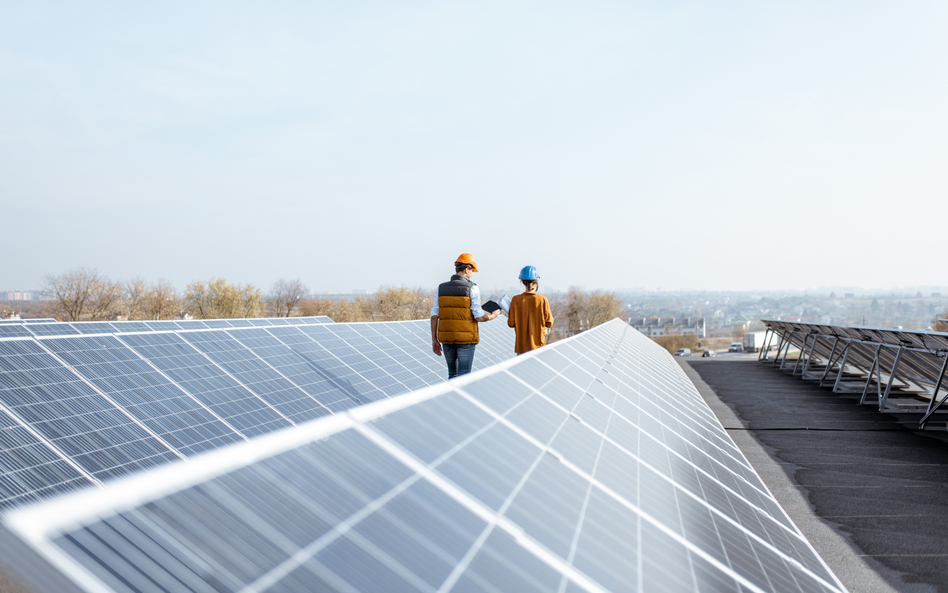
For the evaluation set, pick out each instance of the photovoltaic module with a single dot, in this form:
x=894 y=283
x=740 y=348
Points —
x=84 y=403
x=589 y=465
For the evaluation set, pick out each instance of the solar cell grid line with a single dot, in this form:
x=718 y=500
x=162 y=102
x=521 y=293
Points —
x=388 y=356
x=701 y=438
x=405 y=337
x=255 y=374
x=11 y=330
x=31 y=467
x=409 y=357
x=671 y=407
x=163 y=325
x=711 y=475
x=120 y=373
x=295 y=368
x=726 y=469
x=236 y=405
x=347 y=345
x=455 y=454
x=368 y=353
x=412 y=340
x=260 y=322
x=93 y=327
x=69 y=415
x=343 y=366
x=764 y=539
x=129 y=326
x=51 y=329
x=751 y=497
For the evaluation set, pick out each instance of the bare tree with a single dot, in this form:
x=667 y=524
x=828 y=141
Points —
x=216 y=299
x=161 y=301
x=579 y=311
x=106 y=301
x=83 y=291
x=136 y=291
x=251 y=300
x=317 y=306
x=286 y=296
x=389 y=303
x=401 y=303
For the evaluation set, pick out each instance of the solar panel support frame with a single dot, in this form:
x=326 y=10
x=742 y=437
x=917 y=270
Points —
x=842 y=367
x=873 y=368
x=932 y=406
x=830 y=360
x=888 y=387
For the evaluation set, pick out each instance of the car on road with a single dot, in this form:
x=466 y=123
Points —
x=709 y=354
x=735 y=347
x=683 y=352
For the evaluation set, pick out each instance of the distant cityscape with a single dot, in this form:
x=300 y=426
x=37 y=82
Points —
x=26 y=295
x=712 y=314
x=722 y=313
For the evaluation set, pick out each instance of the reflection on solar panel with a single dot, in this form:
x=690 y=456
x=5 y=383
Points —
x=83 y=403
x=589 y=465
x=866 y=360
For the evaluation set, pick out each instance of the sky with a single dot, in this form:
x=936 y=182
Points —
x=614 y=145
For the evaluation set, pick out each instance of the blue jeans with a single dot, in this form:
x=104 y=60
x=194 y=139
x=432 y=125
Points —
x=460 y=358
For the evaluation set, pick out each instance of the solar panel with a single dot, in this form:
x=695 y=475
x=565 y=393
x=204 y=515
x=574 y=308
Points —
x=104 y=401
x=169 y=412
x=47 y=403
x=51 y=329
x=589 y=465
x=13 y=330
x=912 y=360
x=257 y=375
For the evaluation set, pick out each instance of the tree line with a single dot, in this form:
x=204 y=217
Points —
x=85 y=294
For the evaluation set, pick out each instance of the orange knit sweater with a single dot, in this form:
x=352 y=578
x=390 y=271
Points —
x=529 y=314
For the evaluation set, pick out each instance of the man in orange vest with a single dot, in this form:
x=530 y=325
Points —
x=455 y=315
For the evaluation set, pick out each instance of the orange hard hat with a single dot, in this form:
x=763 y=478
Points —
x=466 y=258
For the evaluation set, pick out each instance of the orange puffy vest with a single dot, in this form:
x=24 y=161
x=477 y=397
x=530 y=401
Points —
x=456 y=323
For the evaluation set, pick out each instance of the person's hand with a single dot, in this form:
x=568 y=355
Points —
x=495 y=313
x=436 y=348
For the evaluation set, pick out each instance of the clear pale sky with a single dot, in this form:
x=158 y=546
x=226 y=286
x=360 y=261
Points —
x=706 y=145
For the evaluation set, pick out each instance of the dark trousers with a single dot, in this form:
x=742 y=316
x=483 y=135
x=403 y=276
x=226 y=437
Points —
x=460 y=358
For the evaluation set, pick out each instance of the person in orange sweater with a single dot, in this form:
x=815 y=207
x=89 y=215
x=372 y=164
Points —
x=529 y=313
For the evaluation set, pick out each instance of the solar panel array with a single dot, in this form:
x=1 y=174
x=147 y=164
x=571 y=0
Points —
x=912 y=360
x=83 y=403
x=590 y=465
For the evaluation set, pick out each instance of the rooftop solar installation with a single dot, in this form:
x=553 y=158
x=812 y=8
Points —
x=84 y=403
x=876 y=362
x=591 y=464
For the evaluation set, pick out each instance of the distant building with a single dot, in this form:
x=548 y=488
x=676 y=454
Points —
x=667 y=326
x=850 y=295
x=936 y=295
x=26 y=295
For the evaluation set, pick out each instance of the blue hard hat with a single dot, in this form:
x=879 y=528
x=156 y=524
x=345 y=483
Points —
x=529 y=273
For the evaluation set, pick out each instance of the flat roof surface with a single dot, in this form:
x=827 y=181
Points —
x=868 y=490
